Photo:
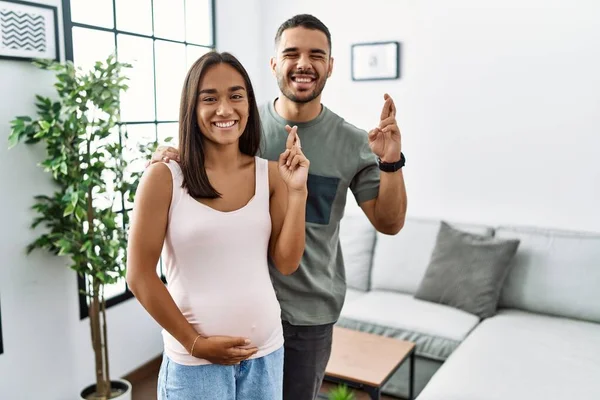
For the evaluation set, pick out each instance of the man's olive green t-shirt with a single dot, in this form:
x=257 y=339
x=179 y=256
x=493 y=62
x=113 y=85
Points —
x=340 y=158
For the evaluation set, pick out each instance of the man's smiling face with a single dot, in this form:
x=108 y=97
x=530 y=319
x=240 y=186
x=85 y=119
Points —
x=303 y=64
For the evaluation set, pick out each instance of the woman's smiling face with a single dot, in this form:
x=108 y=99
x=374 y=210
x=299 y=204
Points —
x=222 y=108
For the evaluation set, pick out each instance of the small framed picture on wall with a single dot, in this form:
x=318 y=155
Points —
x=28 y=31
x=375 y=61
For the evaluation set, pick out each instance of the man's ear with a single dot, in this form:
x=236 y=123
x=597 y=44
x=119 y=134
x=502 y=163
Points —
x=330 y=71
x=273 y=63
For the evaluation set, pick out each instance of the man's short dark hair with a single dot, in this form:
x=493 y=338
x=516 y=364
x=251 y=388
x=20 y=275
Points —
x=305 y=21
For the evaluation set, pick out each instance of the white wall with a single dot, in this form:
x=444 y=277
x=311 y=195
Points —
x=499 y=101
x=239 y=32
x=47 y=350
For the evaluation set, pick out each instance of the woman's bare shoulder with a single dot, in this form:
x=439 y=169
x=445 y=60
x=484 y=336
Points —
x=156 y=180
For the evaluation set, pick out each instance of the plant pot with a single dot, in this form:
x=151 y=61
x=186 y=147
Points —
x=121 y=390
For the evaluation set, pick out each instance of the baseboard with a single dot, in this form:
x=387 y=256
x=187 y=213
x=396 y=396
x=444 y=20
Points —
x=143 y=372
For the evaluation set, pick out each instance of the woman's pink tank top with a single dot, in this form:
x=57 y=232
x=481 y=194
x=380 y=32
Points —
x=217 y=271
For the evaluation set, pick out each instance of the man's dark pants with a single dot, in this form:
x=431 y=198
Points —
x=306 y=353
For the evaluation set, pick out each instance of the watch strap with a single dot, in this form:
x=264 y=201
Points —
x=392 y=167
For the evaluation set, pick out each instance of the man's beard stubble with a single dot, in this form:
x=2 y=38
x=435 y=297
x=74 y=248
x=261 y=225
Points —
x=282 y=81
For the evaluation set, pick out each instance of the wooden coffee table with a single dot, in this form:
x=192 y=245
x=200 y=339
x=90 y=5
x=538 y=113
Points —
x=367 y=361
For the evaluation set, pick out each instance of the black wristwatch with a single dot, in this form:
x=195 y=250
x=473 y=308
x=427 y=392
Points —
x=392 y=167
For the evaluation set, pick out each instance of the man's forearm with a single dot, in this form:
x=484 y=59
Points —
x=390 y=207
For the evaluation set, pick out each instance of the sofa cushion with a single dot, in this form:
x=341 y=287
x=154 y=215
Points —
x=352 y=295
x=467 y=271
x=436 y=329
x=554 y=272
x=522 y=356
x=400 y=261
x=357 y=239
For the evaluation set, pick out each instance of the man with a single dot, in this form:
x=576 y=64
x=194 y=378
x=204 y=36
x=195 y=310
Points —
x=342 y=156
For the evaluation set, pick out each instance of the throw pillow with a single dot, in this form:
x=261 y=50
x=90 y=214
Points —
x=467 y=271
x=357 y=238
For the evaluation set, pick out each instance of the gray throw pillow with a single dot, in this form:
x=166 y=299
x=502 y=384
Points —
x=467 y=271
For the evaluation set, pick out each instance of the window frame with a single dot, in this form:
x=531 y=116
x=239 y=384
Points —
x=68 y=26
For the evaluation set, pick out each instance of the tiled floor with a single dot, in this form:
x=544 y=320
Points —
x=145 y=388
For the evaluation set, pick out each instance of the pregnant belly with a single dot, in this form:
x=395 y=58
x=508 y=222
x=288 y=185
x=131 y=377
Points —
x=256 y=317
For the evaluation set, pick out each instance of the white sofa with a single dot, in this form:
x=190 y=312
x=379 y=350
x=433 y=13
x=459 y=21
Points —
x=544 y=342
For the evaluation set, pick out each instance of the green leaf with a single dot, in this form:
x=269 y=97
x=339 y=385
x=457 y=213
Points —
x=80 y=214
x=17 y=125
x=64 y=250
x=39 y=243
x=40 y=134
x=74 y=198
x=20 y=121
x=63 y=245
x=69 y=210
x=42 y=197
x=13 y=139
x=86 y=246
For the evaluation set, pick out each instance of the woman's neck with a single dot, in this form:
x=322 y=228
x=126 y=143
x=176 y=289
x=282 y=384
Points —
x=220 y=157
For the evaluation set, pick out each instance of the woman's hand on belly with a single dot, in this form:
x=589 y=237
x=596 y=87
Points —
x=224 y=350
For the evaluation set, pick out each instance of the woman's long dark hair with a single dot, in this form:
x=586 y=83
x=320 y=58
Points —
x=191 y=145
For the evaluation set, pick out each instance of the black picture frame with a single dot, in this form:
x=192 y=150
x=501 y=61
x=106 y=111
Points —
x=375 y=61
x=1 y=343
x=30 y=33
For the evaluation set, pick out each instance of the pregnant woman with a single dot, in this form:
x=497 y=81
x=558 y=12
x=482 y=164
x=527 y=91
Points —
x=219 y=213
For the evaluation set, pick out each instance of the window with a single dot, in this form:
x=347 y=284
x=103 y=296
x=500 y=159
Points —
x=161 y=39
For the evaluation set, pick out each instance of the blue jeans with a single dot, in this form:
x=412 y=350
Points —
x=255 y=379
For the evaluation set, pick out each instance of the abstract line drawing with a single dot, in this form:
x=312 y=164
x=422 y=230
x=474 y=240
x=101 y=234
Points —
x=23 y=31
x=28 y=30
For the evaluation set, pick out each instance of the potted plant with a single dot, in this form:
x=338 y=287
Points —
x=80 y=130
x=341 y=392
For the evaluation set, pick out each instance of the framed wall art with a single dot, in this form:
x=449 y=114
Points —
x=375 y=61
x=28 y=31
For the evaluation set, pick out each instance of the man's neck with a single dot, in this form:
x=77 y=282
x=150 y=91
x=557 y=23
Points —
x=298 y=112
